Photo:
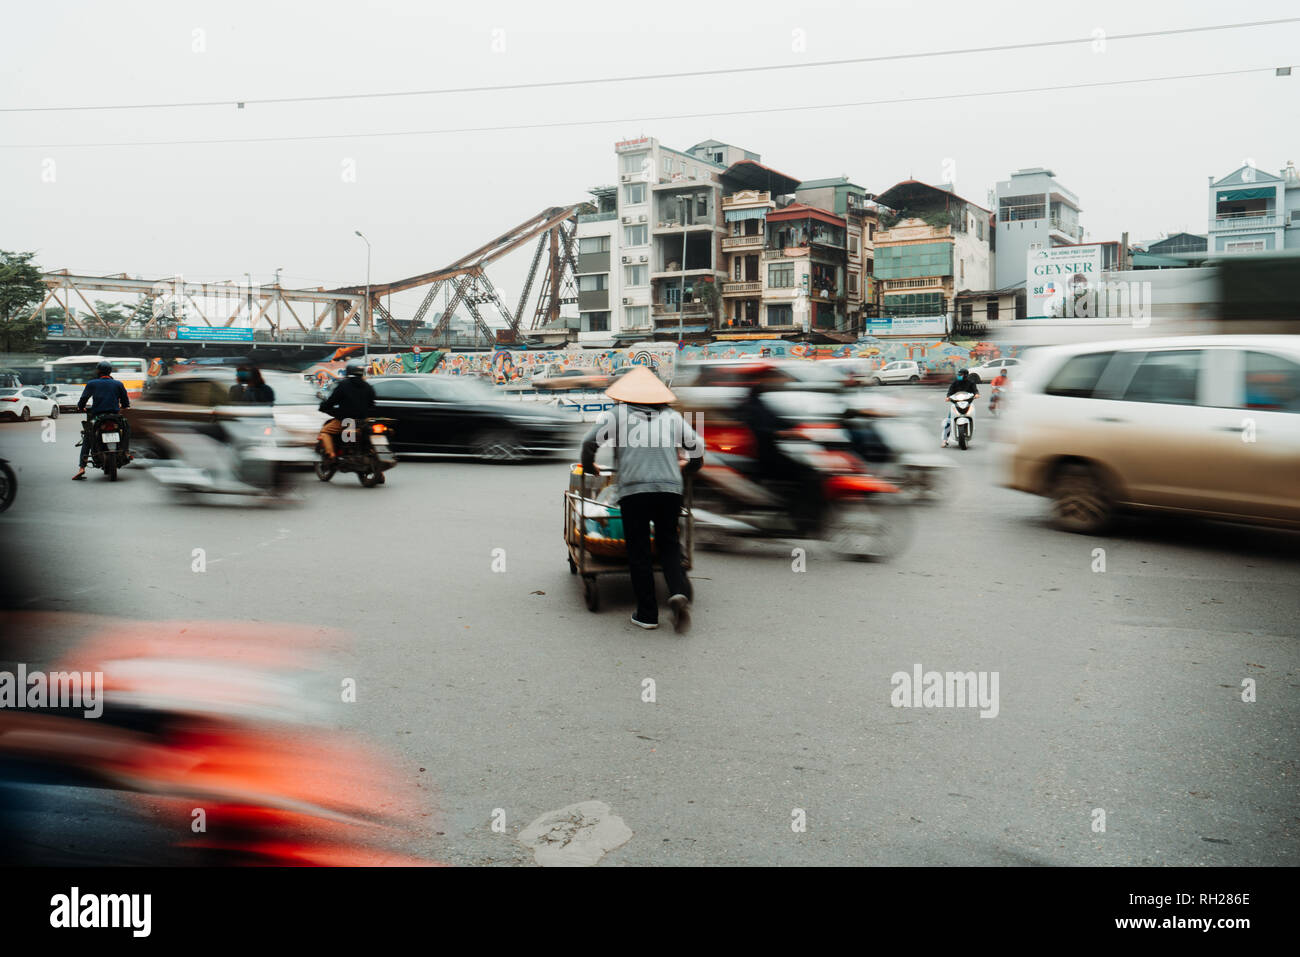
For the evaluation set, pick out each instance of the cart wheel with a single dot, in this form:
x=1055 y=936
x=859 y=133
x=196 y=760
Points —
x=590 y=593
x=573 y=569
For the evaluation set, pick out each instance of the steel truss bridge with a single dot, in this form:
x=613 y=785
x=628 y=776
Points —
x=315 y=315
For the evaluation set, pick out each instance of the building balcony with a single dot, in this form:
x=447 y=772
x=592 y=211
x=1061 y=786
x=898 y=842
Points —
x=675 y=225
x=1071 y=230
x=748 y=198
x=1244 y=222
x=743 y=242
x=673 y=309
x=597 y=217
x=747 y=288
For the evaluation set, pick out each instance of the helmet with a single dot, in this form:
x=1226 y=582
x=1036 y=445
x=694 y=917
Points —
x=355 y=367
x=963 y=373
x=104 y=368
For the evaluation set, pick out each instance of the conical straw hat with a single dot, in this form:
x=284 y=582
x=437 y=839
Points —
x=640 y=387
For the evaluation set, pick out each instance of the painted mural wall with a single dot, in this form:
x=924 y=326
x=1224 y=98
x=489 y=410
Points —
x=942 y=357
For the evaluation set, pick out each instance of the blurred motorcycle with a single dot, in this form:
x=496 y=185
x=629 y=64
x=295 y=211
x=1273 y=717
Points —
x=8 y=484
x=239 y=453
x=227 y=719
x=960 y=426
x=829 y=493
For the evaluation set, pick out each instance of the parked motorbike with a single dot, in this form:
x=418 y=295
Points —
x=8 y=484
x=238 y=454
x=837 y=500
x=961 y=418
x=366 y=453
x=109 y=442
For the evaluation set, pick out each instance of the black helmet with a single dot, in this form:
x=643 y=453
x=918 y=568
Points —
x=104 y=368
x=355 y=367
x=962 y=373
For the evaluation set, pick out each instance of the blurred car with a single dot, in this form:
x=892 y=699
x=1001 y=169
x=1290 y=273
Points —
x=991 y=369
x=66 y=396
x=194 y=396
x=455 y=415
x=893 y=373
x=1203 y=425
x=27 y=402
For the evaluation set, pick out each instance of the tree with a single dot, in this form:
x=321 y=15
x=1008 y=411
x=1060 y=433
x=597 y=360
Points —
x=21 y=290
x=706 y=291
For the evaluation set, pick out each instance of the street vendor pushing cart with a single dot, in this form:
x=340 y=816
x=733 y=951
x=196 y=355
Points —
x=652 y=444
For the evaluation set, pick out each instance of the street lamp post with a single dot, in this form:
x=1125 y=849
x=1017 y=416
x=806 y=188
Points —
x=278 y=270
x=683 y=203
x=366 y=314
x=249 y=293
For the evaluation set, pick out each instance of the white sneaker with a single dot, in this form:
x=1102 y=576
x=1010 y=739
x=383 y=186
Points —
x=642 y=624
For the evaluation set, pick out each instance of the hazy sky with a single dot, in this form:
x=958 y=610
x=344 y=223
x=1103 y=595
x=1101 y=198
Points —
x=1137 y=156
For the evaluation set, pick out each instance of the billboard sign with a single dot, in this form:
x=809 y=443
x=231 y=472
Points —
x=907 y=325
x=1055 y=273
x=215 y=333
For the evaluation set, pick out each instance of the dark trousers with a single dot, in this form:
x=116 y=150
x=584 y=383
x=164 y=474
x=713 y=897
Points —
x=663 y=509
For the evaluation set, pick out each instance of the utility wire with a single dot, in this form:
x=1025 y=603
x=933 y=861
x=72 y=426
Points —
x=724 y=71
x=643 y=119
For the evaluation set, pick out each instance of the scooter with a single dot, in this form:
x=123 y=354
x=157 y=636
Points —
x=996 y=400
x=961 y=419
x=898 y=450
x=366 y=453
x=234 y=455
x=859 y=515
x=109 y=442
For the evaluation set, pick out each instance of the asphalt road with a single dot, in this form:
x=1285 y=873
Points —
x=492 y=689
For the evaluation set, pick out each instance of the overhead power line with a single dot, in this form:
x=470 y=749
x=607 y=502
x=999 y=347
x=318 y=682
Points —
x=644 y=119
x=643 y=77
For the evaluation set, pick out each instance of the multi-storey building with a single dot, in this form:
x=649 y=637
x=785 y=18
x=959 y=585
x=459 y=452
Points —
x=932 y=246
x=846 y=199
x=753 y=193
x=598 y=284
x=1254 y=211
x=1034 y=211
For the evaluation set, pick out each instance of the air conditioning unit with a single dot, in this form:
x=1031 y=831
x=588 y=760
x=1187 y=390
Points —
x=627 y=259
x=641 y=218
x=627 y=220
x=627 y=301
x=644 y=258
x=626 y=177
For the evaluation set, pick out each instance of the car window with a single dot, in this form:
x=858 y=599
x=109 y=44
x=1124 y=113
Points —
x=1169 y=377
x=33 y=393
x=402 y=389
x=1271 y=383
x=1079 y=376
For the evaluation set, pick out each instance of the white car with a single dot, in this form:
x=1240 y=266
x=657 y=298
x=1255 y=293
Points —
x=895 y=372
x=990 y=370
x=26 y=403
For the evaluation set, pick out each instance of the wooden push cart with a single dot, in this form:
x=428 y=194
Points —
x=593 y=537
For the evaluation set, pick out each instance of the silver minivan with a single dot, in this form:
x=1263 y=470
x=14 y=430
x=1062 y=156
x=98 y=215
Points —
x=1205 y=425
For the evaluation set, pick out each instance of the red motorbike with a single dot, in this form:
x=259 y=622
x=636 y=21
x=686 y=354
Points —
x=821 y=488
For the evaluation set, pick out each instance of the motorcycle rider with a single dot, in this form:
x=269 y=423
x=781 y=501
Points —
x=962 y=383
x=105 y=395
x=353 y=398
x=250 y=388
x=802 y=484
x=1000 y=385
x=650 y=441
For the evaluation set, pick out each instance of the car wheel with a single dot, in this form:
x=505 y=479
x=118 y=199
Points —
x=54 y=412
x=875 y=380
x=499 y=447
x=26 y=414
x=913 y=380
x=1080 y=500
